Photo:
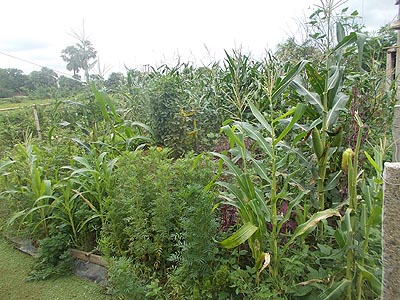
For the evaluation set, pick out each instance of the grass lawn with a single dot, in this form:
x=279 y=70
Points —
x=14 y=267
x=10 y=103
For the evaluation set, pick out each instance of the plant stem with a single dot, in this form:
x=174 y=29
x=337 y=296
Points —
x=352 y=186
x=274 y=211
x=360 y=276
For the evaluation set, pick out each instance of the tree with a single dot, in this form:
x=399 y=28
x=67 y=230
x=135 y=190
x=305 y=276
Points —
x=45 y=78
x=12 y=82
x=80 y=56
x=293 y=51
x=43 y=83
x=114 y=81
x=69 y=86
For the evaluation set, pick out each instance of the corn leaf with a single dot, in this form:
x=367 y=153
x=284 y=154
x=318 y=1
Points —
x=308 y=226
x=373 y=162
x=315 y=79
x=300 y=109
x=3 y=165
x=285 y=82
x=336 y=291
x=254 y=134
x=313 y=98
x=371 y=278
x=240 y=236
x=339 y=104
x=258 y=115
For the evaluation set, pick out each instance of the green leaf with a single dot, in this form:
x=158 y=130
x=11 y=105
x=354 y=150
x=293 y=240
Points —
x=258 y=115
x=334 y=79
x=47 y=185
x=336 y=291
x=254 y=134
x=261 y=169
x=375 y=216
x=300 y=109
x=82 y=144
x=315 y=79
x=373 y=162
x=293 y=203
x=308 y=226
x=361 y=38
x=3 y=165
x=139 y=124
x=240 y=236
x=104 y=102
x=339 y=238
x=233 y=137
x=340 y=33
x=346 y=41
x=83 y=161
x=311 y=97
x=284 y=83
x=332 y=181
x=237 y=172
x=285 y=115
x=339 y=104
x=92 y=217
x=371 y=278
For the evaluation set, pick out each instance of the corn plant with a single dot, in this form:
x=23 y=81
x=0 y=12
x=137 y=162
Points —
x=238 y=83
x=4 y=171
x=360 y=222
x=34 y=189
x=262 y=180
x=65 y=211
x=121 y=133
x=327 y=98
x=93 y=182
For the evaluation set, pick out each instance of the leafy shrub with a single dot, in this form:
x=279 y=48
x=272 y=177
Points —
x=167 y=107
x=54 y=258
x=159 y=219
x=123 y=281
x=15 y=125
x=196 y=258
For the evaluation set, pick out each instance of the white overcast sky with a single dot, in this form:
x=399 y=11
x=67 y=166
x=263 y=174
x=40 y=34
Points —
x=133 y=33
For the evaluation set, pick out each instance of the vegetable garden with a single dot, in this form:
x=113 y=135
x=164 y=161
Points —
x=246 y=179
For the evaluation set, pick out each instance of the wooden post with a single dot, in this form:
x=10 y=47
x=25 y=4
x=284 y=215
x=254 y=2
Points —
x=37 y=124
x=390 y=65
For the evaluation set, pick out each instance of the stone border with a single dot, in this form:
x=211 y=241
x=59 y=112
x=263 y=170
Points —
x=85 y=265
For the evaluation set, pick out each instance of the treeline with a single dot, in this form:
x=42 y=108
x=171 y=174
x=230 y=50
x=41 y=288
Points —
x=46 y=83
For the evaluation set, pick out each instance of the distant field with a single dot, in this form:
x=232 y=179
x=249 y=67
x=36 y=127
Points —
x=14 y=103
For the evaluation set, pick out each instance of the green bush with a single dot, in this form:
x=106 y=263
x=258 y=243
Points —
x=54 y=258
x=167 y=106
x=123 y=281
x=159 y=219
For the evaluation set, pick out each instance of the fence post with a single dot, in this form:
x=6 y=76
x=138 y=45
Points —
x=37 y=124
x=391 y=232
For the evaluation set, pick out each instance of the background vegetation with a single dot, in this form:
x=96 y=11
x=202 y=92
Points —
x=245 y=179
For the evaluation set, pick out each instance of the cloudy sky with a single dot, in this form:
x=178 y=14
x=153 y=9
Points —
x=133 y=33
